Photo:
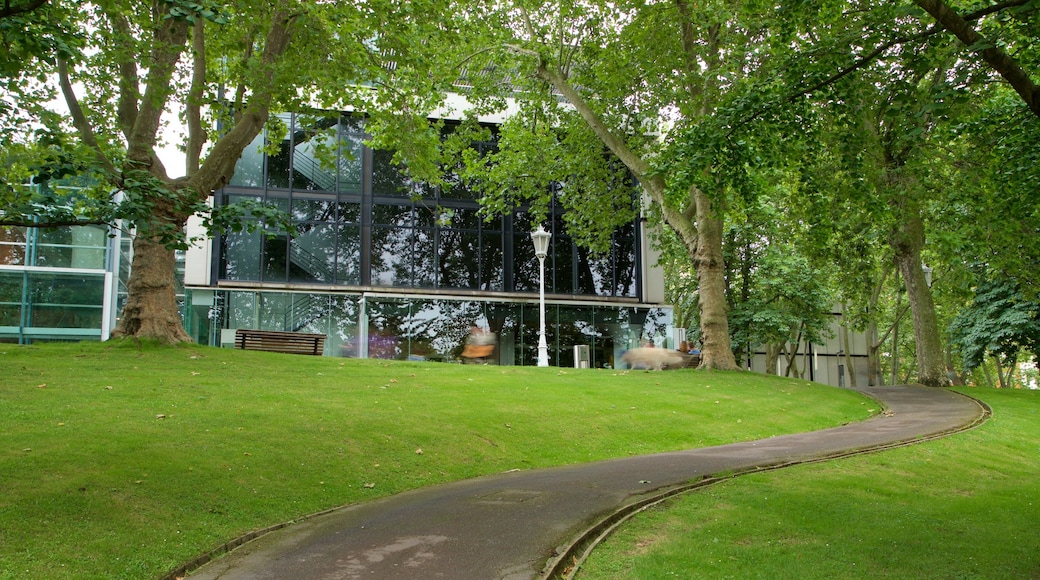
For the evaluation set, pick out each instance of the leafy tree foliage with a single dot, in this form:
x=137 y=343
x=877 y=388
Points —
x=224 y=66
x=998 y=322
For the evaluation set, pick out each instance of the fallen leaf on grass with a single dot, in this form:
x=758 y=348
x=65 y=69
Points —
x=369 y=485
x=418 y=451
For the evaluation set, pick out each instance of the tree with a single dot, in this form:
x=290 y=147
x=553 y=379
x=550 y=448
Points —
x=226 y=66
x=620 y=73
x=998 y=322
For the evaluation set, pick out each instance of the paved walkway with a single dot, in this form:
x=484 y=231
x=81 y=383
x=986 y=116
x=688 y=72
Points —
x=520 y=525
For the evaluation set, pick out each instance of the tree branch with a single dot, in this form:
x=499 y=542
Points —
x=126 y=111
x=220 y=163
x=79 y=120
x=168 y=44
x=9 y=10
x=996 y=58
x=30 y=222
x=193 y=108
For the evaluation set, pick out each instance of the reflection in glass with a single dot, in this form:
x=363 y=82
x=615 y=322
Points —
x=348 y=255
x=241 y=310
x=423 y=268
x=391 y=256
x=392 y=215
x=278 y=164
x=315 y=152
x=65 y=300
x=352 y=137
x=276 y=263
x=11 y=298
x=491 y=261
x=12 y=245
x=459 y=263
x=343 y=326
x=387 y=180
x=312 y=253
x=72 y=247
x=249 y=171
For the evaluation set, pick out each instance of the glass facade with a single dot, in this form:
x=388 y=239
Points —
x=53 y=283
x=434 y=328
x=359 y=221
x=387 y=267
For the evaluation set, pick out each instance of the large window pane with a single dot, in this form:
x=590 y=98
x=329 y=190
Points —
x=491 y=271
x=65 y=300
x=278 y=164
x=351 y=151
x=459 y=266
x=625 y=278
x=562 y=261
x=343 y=326
x=525 y=263
x=71 y=247
x=392 y=215
x=276 y=258
x=242 y=250
x=348 y=258
x=391 y=256
x=315 y=153
x=249 y=171
x=309 y=313
x=312 y=253
x=313 y=210
x=11 y=298
x=242 y=256
x=386 y=324
x=387 y=180
x=424 y=269
x=241 y=310
x=595 y=272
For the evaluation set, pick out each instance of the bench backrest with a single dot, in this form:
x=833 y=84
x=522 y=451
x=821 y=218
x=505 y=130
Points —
x=279 y=341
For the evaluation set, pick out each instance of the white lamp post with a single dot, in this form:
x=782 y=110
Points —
x=540 y=237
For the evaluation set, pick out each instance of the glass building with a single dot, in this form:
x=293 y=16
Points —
x=390 y=268
x=57 y=283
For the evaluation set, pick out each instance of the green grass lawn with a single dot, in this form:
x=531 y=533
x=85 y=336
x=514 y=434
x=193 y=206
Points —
x=125 y=461
x=966 y=506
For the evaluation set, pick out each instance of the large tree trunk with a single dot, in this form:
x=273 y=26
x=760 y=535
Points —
x=773 y=351
x=874 y=375
x=847 y=348
x=716 y=350
x=151 y=306
x=907 y=241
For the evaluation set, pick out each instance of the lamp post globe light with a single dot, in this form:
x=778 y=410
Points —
x=540 y=237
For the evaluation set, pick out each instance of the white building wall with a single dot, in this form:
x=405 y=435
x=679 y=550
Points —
x=197 y=258
x=823 y=362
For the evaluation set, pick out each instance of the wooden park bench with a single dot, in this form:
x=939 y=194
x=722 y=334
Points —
x=278 y=341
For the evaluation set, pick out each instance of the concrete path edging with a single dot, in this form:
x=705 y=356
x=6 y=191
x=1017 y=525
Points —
x=539 y=523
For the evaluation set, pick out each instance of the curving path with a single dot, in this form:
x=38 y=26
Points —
x=526 y=524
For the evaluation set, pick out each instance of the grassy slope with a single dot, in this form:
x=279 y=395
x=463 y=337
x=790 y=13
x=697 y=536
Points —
x=94 y=484
x=967 y=506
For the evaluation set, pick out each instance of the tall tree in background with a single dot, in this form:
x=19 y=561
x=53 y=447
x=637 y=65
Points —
x=618 y=73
